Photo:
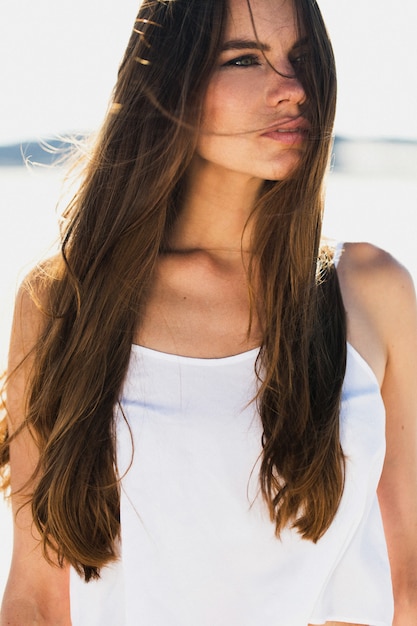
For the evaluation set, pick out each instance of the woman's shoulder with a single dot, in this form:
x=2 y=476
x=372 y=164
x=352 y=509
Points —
x=368 y=268
x=31 y=309
x=379 y=297
x=36 y=284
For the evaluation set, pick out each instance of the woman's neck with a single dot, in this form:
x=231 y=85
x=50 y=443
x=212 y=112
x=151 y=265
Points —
x=216 y=210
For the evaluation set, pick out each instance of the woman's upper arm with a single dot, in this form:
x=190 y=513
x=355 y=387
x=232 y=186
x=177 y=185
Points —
x=398 y=485
x=36 y=591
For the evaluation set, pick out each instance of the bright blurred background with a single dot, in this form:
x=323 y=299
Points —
x=58 y=66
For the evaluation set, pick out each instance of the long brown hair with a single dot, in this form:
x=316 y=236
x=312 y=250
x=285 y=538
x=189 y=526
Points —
x=116 y=226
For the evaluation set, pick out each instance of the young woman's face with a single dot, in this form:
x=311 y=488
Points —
x=252 y=113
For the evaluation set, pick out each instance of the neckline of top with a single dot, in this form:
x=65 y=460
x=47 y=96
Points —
x=248 y=355
x=168 y=356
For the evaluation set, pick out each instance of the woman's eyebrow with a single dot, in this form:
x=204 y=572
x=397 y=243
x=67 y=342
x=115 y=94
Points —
x=301 y=42
x=243 y=44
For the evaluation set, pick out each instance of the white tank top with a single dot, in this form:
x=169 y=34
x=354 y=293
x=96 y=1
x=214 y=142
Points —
x=198 y=548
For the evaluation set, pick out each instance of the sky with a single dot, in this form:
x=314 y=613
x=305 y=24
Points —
x=59 y=62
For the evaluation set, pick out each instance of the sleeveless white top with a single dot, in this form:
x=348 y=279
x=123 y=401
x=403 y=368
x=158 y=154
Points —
x=198 y=548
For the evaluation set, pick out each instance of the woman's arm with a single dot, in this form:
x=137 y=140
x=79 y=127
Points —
x=398 y=485
x=380 y=302
x=36 y=592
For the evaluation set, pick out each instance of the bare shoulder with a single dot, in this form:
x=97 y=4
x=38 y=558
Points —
x=375 y=274
x=32 y=296
x=380 y=302
x=371 y=262
x=29 y=322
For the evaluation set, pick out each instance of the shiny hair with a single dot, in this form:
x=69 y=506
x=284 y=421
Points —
x=94 y=292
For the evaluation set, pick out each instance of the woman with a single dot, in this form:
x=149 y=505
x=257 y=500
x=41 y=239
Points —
x=196 y=426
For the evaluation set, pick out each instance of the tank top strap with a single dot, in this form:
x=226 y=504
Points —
x=338 y=250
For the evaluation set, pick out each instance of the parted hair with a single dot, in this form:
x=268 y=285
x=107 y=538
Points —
x=94 y=292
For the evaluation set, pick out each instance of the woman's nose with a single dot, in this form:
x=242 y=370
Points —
x=284 y=87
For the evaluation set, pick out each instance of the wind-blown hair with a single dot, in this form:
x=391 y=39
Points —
x=94 y=292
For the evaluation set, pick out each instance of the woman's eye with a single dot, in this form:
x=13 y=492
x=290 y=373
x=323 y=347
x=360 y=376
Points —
x=245 y=61
x=300 y=60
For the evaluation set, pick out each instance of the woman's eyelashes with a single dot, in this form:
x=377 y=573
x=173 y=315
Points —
x=299 y=61
x=247 y=60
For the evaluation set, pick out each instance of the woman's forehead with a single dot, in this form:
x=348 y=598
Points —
x=269 y=18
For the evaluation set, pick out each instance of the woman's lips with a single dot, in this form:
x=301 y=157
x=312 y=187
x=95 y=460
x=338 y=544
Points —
x=293 y=132
x=287 y=136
